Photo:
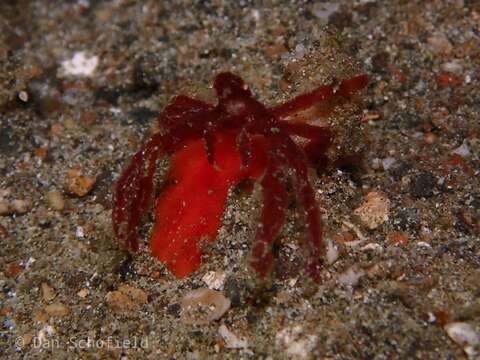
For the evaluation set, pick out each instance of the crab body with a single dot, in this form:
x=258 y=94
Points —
x=214 y=148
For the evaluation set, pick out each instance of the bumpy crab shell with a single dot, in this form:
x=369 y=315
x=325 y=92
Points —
x=214 y=148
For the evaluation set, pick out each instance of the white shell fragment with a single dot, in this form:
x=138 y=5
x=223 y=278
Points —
x=214 y=279
x=388 y=162
x=332 y=252
x=80 y=65
x=351 y=276
x=372 y=247
x=463 y=150
x=294 y=342
x=232 y=341
x=464 y=335
x=201 y=306
x=453 y=66
x=324 y=10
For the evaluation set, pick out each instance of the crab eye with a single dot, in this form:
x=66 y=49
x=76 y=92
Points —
x=235 y=107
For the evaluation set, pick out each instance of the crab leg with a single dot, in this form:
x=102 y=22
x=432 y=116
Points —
x=183 y=117
x=321 y=94
x=349 y=86
x=303 y=101
x=307 y=199
x=134 y=192
x=275 y=200
x=317 y=133
x=244 y=143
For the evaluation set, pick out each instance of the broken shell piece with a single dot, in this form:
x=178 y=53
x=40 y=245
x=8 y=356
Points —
x=464 y=335
x=374 y=210
x=332 y=252
x=295 y=342
x=214 y=279
x=232 y=341
x=351 y=276
x=202 y=306
x=79 y=65
x=372 y=247
x=463 y=150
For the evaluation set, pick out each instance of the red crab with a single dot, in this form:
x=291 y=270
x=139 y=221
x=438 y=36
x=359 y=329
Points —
x=213 y=148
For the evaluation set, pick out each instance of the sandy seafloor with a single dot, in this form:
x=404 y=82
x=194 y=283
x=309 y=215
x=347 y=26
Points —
x=397 y=288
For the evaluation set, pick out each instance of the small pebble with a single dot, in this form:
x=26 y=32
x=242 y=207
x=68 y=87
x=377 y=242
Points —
x=83 y=293
x=439 y=43
x=388 y=162
x=380 y=61
x=233 y=291
x=376 y=163
x=4 y=207
x=429 y=138
x=55 y=200
x=40 y=316
x=12 y=270
x=69 y=123
x=78 y=183
x=201 y=306
x=26 y=340
x=374 y=210
x=21 y=206
x=48 y=293
x=275 y=50
x=423 y=185
x=126 y=299
x=56 y=130
x=88 y=118
x=79 y=232
x=57 y=310
x=3 y=232
x=397 y=238
x=174 y=310
x=23 y=95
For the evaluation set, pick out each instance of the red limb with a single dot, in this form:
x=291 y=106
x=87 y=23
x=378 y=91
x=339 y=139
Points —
x=275 y=201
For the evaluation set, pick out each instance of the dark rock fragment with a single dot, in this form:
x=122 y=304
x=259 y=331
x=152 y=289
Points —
x=232 y=291
x=143 y=115
x=423 y=185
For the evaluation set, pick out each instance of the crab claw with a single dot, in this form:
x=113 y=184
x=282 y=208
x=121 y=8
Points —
x=189 y=211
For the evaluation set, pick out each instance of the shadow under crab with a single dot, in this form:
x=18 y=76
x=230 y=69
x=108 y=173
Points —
x=214 y=147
